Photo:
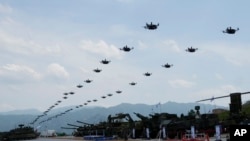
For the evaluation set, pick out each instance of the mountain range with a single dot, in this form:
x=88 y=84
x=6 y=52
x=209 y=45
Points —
x=93 y=115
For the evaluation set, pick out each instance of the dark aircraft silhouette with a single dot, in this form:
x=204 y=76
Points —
x=59 y=101
x=95 y=100
x=147 y=74
x=97 y=70
x=88 y=81
x=109 y=94
x=132 y=83
x=85 y=103
x=103 y=96
x=167 y=65
x=118 y=91
x=151 y=26
x=89 y=101
x=230 y=30
x=126 y=48
x=65 y=93
x=79 y=86
x=71 y=93
x=190 y=49
x=105 y=61
x=65 y=97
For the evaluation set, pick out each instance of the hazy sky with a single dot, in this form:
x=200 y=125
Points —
x=48 y=47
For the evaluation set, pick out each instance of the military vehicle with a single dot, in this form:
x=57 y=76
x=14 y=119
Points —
x=20 y=133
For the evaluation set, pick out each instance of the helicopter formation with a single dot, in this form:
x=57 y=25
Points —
x=126 y=48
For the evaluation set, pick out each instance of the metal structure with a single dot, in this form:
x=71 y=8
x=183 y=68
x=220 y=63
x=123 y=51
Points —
x=20 y=133
x=235 y=99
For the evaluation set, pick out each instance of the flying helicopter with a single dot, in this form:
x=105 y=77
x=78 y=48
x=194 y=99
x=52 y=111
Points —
x=147 y=74
x=105 y=61
x=230 y=30
x=190 y=49
x=126 y=48
x=97 y=70
x=88 y=81
x=151 y=26
x=109 y=94
x=132 y=83
x=68 y=110
x=118 y=91
x=167 y=65
x=71 y=93
x=79 y=86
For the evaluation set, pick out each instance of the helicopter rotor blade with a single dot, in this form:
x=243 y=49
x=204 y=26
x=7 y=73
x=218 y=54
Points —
x=245 y=93
x=222 y=96
x=213 y=98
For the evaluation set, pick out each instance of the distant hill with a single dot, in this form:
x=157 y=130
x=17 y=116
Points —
x=22 y=112
x=94 y=115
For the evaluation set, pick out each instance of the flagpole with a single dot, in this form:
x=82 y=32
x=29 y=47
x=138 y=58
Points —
x=160 y=107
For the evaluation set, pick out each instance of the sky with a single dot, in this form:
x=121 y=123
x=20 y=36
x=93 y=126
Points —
x=47 y=48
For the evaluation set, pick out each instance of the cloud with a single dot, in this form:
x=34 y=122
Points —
x=180 y=83
x=7 y=21
x=215 y=92
x=218 y=76
x=19 y=71
x=237 y=54
x=101 y=48
x=121 y=30
x=84 y=70
x=57 y=70
x=6 y=107
x=5 y=8
x=142 y=45
x=172 y=45
x=25 y=46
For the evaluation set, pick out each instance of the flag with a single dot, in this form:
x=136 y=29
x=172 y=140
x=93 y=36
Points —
x=212 y=99
x=158 y=104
